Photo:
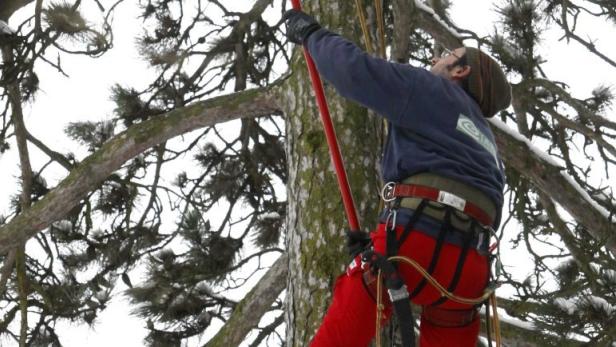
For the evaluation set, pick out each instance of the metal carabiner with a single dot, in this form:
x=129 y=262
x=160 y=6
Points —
x=392 y=217
x=387 y=193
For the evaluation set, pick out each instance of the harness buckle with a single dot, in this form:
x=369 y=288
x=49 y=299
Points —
x=398 y=294
x=452 y=200
x=387 y=194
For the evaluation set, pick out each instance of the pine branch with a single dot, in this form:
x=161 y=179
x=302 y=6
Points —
x=56 y=156
x=516 y=335
x=560 y=227
x=14 y=96
x=429 y=21
x=242 y=26
x=577 y=105
x=136 y=139
x=531 y=337
x=7 y=269
x=255 y=304
x=549 y=178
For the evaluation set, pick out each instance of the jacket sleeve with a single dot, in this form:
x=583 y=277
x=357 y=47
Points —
x=382 y=86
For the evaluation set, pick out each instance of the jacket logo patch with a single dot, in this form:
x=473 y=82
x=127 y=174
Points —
x=467 y=127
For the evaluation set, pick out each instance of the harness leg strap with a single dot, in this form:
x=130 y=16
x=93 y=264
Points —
x=448 y=318
x=437 y=252
x=460 y=265
x=398 y=294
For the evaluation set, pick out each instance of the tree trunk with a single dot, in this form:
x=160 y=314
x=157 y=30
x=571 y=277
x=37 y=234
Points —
x=316 y=218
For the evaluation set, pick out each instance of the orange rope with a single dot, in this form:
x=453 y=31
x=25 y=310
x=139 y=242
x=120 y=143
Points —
x=488 y=294
x=364 y=26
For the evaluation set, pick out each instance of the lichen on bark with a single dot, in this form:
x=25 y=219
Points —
x=316 y=216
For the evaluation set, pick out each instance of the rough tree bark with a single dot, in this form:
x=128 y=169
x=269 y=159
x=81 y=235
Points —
x=17 y=117
x=316 y=217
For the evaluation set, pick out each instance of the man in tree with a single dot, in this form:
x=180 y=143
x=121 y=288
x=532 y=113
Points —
x=446 y=189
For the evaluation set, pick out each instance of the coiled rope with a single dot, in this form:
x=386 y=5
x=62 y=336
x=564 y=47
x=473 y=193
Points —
x=488 y=294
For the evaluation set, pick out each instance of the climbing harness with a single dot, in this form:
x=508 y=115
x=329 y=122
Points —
x=383 y=265
x=489 y=296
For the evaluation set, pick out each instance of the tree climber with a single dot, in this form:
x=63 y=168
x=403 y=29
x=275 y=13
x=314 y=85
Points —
x=446 y=190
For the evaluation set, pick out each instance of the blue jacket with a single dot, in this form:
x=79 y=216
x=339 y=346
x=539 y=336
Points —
x=434 y=125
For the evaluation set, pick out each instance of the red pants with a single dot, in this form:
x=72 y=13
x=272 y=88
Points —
x=350 y=319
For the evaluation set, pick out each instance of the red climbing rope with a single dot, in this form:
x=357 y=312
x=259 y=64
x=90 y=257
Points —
x=330 y=134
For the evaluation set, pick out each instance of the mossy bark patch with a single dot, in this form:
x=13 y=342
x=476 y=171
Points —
x=316 y=219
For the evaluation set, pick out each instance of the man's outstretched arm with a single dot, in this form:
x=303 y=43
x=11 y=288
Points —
x=375 y=83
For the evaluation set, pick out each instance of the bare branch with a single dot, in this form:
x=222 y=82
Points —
x=8 y=7
x=429 y=21
x=590 y=46
x=255 y=304
x=14 y=96
x=57 y=157
x=136 y=139
x=579 y=107
x=568 y=123
x=402 y=30
x=550 y=179
x=7 y=268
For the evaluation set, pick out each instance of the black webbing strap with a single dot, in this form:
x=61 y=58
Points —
x=398 y=292
x=487 y=302
x=412 y=221
x=466 y=243
x=437 y=252
x=402 y=308
x=488 y=334
x=391 y=246
x=398 y=295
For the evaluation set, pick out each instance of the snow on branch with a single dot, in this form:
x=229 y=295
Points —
x=432 y=23
x=438 y=19
x=521 y=138
x=549 y=176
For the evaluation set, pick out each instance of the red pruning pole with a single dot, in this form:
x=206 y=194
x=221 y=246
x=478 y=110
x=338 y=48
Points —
x=330 y=134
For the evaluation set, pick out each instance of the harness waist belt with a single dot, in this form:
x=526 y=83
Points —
x=399 y=190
